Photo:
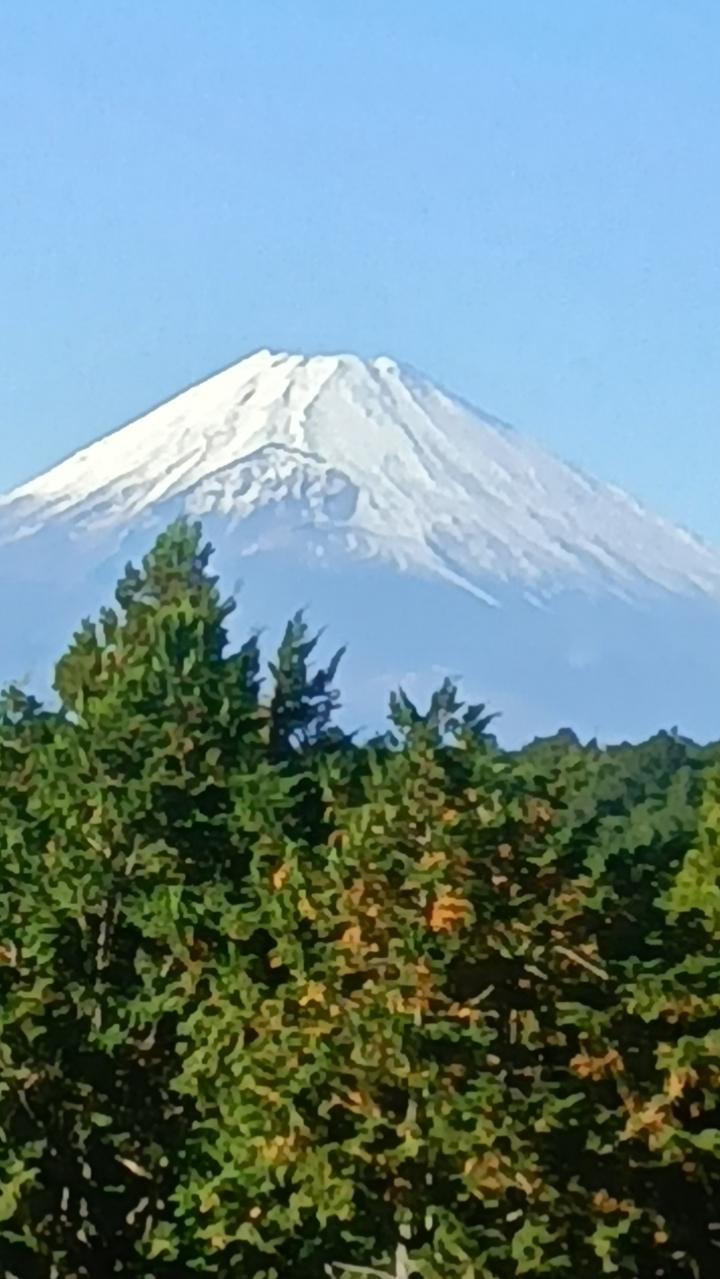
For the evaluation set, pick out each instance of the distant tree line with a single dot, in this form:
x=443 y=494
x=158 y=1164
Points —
x=277 y=1004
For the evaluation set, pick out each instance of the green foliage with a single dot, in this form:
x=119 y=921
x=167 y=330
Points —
x=276 y=1004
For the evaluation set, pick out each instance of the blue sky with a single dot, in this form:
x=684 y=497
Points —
x=520 y=198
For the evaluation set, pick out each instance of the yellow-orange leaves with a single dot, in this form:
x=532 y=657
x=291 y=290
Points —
x=649 y=1118
x=352 y=939
x=429 y=860
x=538 y=812
x=464 y=1013
x=605 y=1203
x=279 y=876
x=305 y=907
x=486 y=1173
x=314 y=994
x=361 y=1103
x=597 y=1067
x=448 y=912
x=278 y=1149
x=678 y=1081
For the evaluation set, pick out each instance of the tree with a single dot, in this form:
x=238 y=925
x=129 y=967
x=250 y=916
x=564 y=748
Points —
x=275 y=1003
x=131 y=816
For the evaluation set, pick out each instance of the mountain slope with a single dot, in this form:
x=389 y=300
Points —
x=325 y=470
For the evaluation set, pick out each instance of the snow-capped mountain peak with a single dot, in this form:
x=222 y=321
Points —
x=373 y=459
x=396 y=513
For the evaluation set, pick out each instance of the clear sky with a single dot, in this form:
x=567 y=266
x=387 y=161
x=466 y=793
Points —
x=520 y=197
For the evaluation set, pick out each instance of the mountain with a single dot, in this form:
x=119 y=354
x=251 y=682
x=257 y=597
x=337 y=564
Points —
x=431 y=537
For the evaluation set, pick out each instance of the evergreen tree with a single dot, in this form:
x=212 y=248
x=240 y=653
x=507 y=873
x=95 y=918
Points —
x=274 y=1003
x=132 y=829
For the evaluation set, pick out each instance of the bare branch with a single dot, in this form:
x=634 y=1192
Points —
x=584 y=963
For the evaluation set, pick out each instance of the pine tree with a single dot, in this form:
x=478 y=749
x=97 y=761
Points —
x=136 y=814
x=276 y=1004
x=302 y=706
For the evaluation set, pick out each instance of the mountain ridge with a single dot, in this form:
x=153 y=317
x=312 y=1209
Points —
x=312 y=472
x=401 y=408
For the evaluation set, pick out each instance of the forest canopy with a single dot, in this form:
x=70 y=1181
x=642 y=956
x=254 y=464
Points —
x=277 y=1004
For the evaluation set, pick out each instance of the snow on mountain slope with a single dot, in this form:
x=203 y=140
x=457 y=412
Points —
x=429 y=537
x=376 y=453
